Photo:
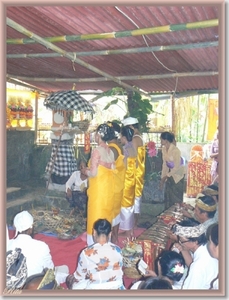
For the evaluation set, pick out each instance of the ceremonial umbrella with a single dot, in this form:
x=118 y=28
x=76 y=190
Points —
x=66 y=101
x=69 y=101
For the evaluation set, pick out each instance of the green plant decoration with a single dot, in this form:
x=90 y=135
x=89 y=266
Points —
x=136 y=106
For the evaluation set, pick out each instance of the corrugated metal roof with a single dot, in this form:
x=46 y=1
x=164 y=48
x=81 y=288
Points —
x=51 y=21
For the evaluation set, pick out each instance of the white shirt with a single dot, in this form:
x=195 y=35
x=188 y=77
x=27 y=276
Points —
x=74 y=182
x=37 y=253
x=202 y=271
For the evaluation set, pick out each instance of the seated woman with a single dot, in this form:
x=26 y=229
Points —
x=42 y=281
x=100 y=264
x=171 y=266
x=76 y=188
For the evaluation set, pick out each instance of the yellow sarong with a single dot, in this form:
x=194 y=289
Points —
x=119 y=181
x=100 y=197
x=140 y=171
x=129 y=183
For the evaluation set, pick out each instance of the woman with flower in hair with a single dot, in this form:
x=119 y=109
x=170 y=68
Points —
x=169 y=265
x=128 y=199
x=101 y=180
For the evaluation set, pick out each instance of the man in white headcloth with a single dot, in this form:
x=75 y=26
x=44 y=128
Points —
x=137 y=142
x=37 y=253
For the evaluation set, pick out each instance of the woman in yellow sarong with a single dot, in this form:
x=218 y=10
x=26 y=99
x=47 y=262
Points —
x=116 y=147
x=140 y=169
x=127 y=204
x=101 y=180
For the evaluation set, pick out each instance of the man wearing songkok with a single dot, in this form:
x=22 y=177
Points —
x=204 y=212
x=140 y=170
x=37 y=253
x=193 y=242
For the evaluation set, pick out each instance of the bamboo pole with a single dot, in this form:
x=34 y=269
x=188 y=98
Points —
x=136 y=77
x=197 y=123
x=32 y=87
x=73 y=58
x=205 y=119
x=36 y=117
x=119 y=51
x=119 y=34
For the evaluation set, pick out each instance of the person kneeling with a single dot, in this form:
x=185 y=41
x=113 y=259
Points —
x=100 y=264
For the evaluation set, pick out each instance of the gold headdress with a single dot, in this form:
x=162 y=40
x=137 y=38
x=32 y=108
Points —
x=210 y=192
x=202 y=205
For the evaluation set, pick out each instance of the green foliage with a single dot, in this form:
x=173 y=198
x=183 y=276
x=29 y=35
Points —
x=140 y=108
x=136 y=106
x=115 y=101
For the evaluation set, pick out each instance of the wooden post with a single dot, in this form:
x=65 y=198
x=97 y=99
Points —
x=173 y=114
x=35 y=116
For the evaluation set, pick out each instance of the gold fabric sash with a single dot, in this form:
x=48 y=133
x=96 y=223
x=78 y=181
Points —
x=119 y=180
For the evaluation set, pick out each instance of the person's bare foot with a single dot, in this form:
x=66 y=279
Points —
x=127 y=233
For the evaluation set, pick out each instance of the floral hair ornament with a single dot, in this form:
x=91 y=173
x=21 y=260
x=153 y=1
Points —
x=102 y=129
x=109 y=124
x=151 y=147
x=202 y=205
x=178 y=268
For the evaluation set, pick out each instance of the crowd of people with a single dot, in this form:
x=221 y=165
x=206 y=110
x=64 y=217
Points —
x=108 y=189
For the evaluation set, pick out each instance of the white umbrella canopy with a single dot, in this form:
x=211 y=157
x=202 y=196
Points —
x=68 y=100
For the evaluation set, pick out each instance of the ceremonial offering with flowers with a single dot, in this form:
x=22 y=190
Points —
x=132 y=252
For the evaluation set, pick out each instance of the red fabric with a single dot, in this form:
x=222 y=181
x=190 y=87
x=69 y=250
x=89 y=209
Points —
x=65 y=252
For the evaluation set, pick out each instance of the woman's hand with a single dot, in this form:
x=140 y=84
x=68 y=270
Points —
x=187 y=214
x=171 y=235
x=163 y=180
x=177 y=246
x=150 y=273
